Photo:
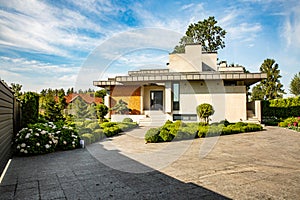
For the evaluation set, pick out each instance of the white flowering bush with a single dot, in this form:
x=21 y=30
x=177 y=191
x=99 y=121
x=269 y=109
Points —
x=47 y=137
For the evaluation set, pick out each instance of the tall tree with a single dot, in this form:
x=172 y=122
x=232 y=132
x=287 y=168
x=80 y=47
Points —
x=208 y=34
x=17 y=89
x=183 y=41
x=271 y=88
x=257 y=93
x=295 y=85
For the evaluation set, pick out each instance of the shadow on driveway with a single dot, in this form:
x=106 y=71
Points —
x=77 y=174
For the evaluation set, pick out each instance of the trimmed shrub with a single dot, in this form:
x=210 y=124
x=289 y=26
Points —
x=88 y=138
x=165 y=135
x=126 y=120
x=84 y=130
x=152 y=135
x=98 y=134
x=202 y=131
x=93 y=126
x=108 y=124
x=127 y=126
x=214 y=131
x=111 y=131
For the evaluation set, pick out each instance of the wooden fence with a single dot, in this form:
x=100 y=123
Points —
x=10 y=118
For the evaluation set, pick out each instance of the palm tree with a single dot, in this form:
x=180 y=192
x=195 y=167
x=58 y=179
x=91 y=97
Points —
x=271 y=86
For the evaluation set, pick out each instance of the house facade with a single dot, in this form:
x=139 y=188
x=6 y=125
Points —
x=190 y=79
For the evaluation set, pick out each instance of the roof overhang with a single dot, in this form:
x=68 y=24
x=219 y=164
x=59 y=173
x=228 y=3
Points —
x=248 y=78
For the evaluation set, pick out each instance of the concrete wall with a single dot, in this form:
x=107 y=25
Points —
x=229 y=102
x=192 y=60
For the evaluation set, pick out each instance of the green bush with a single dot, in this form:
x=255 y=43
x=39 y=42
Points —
x=127 y=126
x=93 y=125
x=40 y=138
x=214 y=131
x=165 y=135
x=188 y=132
x=281 y=108
x=126 y=120
x=291 y=121
x=111 y=131
x=152 y=135
x=202 y=131
x=88 y=138
x=108 y=124
x=84 y=130
x=98 y=134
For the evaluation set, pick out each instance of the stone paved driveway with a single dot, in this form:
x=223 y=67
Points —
x=260 y=165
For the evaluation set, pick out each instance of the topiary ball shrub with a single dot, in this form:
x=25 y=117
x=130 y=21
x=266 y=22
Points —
x=152 y=135
x=127 y=119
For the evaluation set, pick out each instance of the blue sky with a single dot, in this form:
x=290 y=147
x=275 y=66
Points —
x=70 y=43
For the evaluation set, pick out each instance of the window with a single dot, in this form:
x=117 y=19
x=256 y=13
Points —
x=176 y=96
x=185 y=117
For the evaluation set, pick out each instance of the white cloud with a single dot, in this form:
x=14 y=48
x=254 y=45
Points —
x=40 y=27
x=186 y=6
x=291 y=28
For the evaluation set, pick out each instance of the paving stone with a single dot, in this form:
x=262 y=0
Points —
x=52 y=193
x=7 y=191
x=29 y=193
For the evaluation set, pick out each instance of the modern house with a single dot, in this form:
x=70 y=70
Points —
x=190 y=79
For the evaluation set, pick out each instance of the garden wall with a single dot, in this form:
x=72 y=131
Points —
x=9 y=122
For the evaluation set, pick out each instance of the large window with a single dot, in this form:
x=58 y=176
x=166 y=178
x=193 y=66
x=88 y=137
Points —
x=176 y=96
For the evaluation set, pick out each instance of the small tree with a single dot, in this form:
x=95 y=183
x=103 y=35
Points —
x=101 y=111
x=80 y=108
x=295 y=85
x=17 y=89
x=53 y=110
x=100 y=93
x=29 y=108
x=120 y=107
x=204 y=111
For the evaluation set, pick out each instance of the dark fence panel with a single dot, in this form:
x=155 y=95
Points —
x=9 y=122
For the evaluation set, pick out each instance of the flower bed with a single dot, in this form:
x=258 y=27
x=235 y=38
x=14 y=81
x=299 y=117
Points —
x=41 y=138
x=291 y=123
x=179 y=131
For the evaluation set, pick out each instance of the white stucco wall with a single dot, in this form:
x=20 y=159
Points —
x=192 y=60
x=229 y=102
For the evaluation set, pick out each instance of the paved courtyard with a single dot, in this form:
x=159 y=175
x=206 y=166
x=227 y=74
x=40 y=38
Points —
x=259 y=165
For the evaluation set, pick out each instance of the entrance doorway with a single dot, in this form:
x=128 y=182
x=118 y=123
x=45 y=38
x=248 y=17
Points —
x=156 y=100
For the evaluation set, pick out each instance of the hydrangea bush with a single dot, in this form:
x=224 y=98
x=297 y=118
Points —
x=47 y=137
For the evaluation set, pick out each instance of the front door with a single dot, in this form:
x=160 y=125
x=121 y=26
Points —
x=156 y=100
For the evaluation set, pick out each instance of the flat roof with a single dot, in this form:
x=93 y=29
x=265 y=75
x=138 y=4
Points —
x=163 y=75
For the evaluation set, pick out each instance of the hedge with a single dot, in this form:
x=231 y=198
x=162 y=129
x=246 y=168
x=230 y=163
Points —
x=173 y=131
x=281 y=108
